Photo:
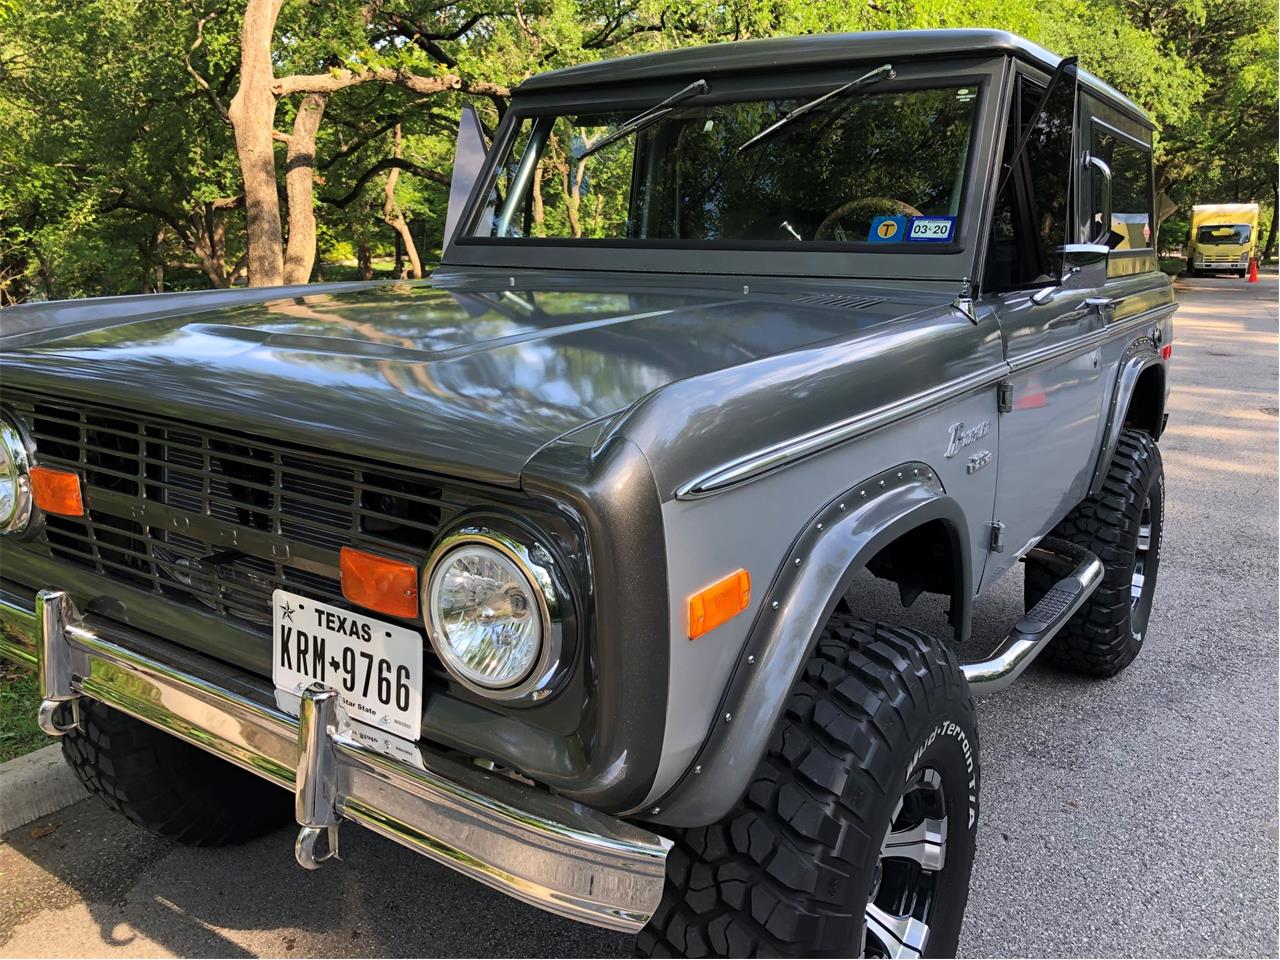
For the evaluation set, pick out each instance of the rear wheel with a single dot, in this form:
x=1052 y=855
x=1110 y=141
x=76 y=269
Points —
x=169 y=787
x=856 y=836
x=1124 y=526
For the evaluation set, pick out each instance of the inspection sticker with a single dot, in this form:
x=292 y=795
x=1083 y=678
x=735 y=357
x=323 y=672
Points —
x=931 y=229
x=887 y=229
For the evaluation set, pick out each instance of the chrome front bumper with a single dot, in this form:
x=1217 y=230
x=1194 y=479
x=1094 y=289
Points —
x=539 y=848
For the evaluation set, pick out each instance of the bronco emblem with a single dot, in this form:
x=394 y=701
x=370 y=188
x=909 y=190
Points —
x=962 y=437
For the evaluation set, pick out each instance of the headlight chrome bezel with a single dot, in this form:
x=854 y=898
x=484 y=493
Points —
x=18 y=452
x=535 y=563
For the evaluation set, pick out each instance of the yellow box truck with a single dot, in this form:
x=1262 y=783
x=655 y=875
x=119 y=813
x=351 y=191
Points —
x=1223 y=238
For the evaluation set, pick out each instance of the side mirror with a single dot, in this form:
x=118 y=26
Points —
x=1084 y=265
x=468 y=158
x=1099 y=167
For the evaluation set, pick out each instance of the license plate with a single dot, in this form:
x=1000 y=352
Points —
x=375 y=666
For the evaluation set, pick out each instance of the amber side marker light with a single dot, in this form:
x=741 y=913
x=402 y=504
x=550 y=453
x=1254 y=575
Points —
x=379 y=583
x=57 y=491
x=721 y=601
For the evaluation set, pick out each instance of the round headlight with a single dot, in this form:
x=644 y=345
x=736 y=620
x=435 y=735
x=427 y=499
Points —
x=15 y=482
x=488 y=614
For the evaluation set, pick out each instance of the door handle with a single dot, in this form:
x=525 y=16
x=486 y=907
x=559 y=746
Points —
x=1106 y=307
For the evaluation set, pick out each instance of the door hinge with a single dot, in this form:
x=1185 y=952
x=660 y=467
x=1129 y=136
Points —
x=1004 y=396
x=997 y=537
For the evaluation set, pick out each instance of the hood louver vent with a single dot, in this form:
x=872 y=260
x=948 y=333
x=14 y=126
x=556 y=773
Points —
x=843 y=302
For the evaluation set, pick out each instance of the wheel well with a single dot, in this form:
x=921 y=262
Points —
x=1146 y=405
x=925 y=559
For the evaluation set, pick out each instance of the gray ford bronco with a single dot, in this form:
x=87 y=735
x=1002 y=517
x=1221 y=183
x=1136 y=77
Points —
x=542 y=567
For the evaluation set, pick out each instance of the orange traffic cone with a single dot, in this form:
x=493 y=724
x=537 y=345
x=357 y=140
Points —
x=1253 y=269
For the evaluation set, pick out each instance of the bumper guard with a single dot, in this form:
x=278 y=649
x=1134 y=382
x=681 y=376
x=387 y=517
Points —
x=545 y=850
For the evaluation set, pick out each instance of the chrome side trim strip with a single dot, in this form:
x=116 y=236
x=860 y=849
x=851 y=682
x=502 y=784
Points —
x=763 y=461
x=542 y=849
x=1084 y=344
x=766 y=460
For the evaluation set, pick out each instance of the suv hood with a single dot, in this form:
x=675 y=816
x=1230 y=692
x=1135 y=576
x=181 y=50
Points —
x=466 y=378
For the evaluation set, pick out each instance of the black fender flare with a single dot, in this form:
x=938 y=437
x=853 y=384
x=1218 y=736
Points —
x=1139 y=356
x=838 y=540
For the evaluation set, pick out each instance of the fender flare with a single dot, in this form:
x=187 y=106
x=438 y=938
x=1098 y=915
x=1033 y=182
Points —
x=837 y=541
x=1140 y=355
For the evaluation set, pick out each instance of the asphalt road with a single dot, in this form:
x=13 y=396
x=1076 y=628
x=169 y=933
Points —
x=1129 y=817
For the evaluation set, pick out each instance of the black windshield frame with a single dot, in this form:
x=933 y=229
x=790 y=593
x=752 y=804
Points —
x=941 y=261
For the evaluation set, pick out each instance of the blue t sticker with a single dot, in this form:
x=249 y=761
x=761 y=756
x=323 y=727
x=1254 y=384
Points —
x=931 y=229
x=887 y=229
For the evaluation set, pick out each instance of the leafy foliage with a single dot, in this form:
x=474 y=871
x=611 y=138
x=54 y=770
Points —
x=118 y=168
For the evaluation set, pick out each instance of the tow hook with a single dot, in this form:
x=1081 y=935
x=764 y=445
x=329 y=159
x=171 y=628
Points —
x=316 y=780
x=54 y=611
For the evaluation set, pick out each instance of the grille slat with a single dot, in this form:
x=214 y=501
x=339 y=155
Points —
x=298 y=494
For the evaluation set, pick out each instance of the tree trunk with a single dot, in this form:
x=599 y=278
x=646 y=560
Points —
x=157 y=250
x=364 y=259
x=46 y=278
x=299 y=181
x=392 y=213
x=253 y=111
x=539 y=210
x=1269 y=248
x=207 y=240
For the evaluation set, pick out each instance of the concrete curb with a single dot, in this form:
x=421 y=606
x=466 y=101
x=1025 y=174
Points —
x=34 y=786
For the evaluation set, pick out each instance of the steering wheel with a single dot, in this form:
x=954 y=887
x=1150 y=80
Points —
x=877 y=204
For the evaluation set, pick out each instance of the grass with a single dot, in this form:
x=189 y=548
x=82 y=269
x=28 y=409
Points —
x=18 y=702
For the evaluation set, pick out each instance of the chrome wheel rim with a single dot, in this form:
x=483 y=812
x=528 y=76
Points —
x=1138 y=581
x=912 y=857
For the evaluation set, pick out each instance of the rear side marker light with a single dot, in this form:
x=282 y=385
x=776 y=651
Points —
x=718 y=603
x=1166 y=351
x=57 y=491
x=379 y=583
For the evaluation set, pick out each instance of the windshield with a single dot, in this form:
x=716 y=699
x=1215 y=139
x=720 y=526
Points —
x=1224 y=233
x=863 y=168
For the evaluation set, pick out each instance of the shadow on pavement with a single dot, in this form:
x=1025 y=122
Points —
x=95 y=885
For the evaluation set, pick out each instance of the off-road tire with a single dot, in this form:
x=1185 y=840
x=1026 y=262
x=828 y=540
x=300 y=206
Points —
x=169 y=787
x=1108 y=631
x=788 y=872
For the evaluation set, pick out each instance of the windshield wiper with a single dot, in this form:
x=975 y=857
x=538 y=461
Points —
x=650 y=116
x=883 y=72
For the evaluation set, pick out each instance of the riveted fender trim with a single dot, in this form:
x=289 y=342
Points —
x=1138 y=356
x=838 y=540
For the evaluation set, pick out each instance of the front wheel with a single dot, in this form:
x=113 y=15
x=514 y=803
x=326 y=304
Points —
x=856 y=836
x=167 y=786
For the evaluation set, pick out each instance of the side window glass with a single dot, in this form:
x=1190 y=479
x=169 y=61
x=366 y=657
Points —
x=1131 y=198
x=1032 y=212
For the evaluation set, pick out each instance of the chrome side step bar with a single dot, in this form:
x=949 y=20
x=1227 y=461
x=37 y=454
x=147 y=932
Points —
x=1039 y=624
x=529 y=844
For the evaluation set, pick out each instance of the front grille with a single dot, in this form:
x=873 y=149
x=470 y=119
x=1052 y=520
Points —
x=290 y=508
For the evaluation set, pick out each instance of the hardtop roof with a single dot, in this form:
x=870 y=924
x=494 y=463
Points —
x=813 y=50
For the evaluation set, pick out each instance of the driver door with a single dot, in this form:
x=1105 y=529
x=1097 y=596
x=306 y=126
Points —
x=1051 y=404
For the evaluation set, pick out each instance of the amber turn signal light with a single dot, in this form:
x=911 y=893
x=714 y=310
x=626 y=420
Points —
x=379 y=583
x=57 y=491
x=719 y=602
